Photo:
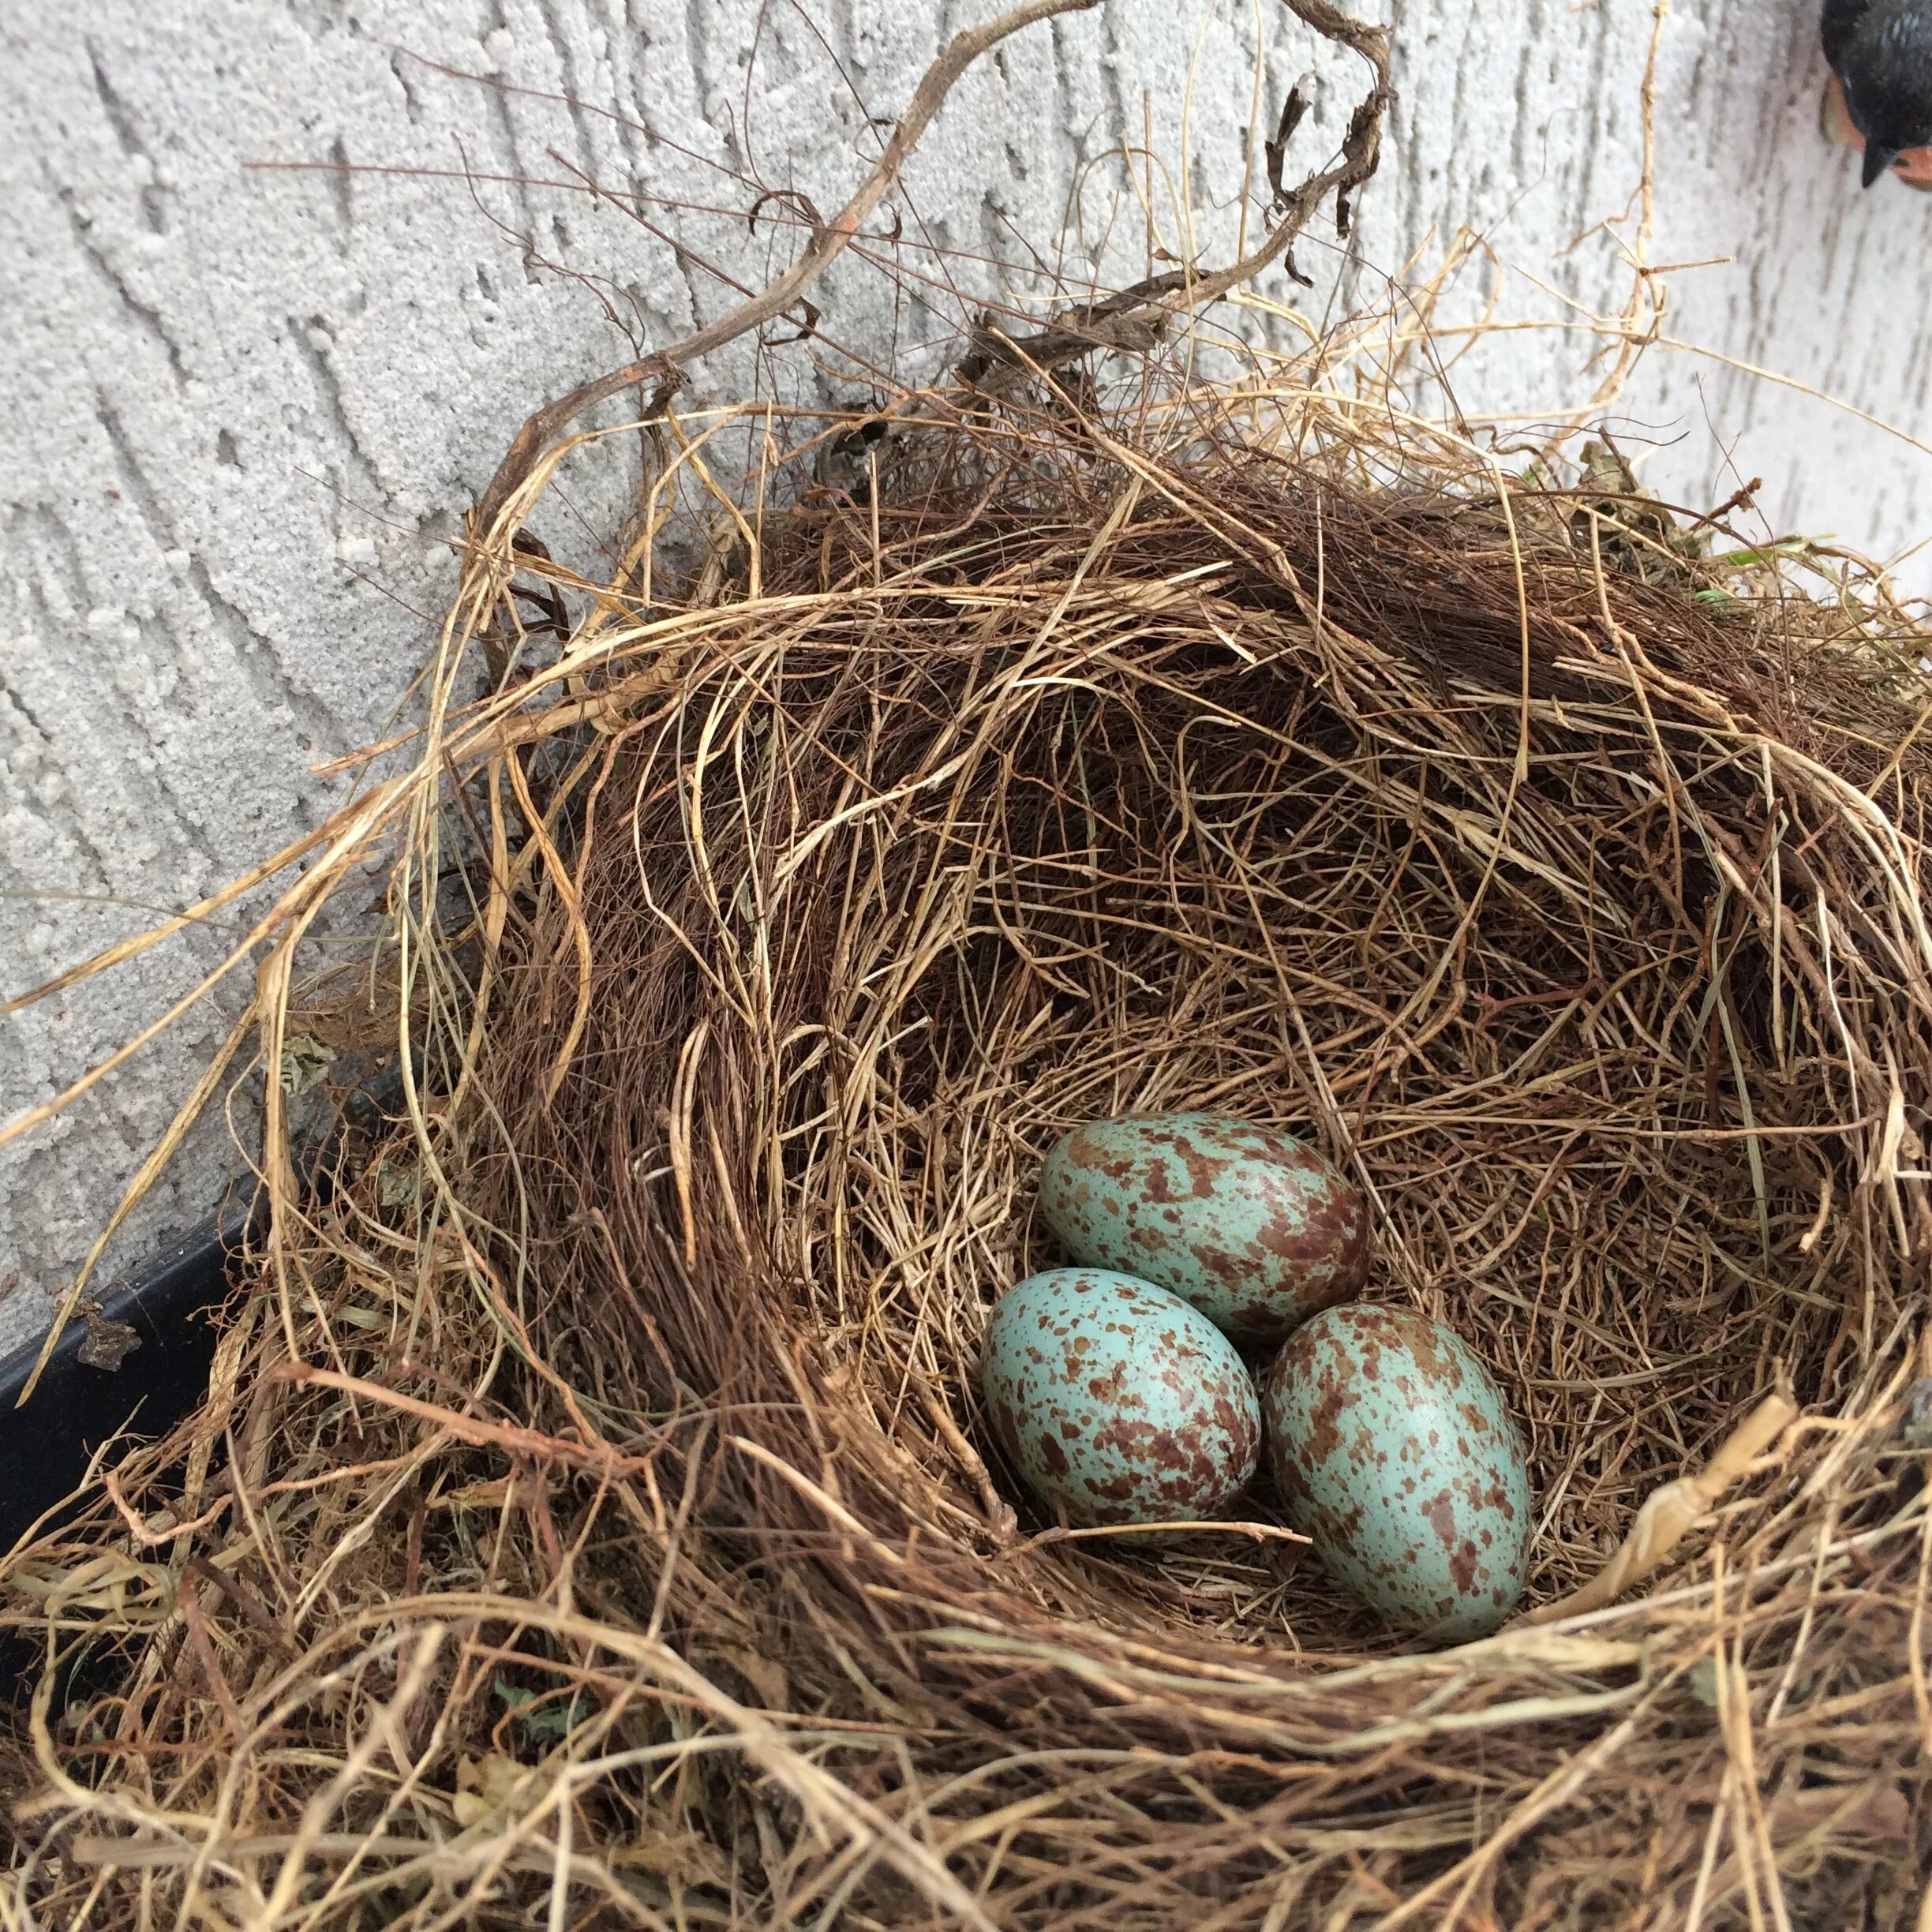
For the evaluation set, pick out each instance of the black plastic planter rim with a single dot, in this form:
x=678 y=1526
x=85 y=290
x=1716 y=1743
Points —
x=47 y=1443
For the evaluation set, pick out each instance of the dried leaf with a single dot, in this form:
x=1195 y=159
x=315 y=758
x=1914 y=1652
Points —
x=1916 y=1424
x=485 y=1789
x=305 y=1062
x=394 y=1186
x=1670 y=1513
x=108 y=1343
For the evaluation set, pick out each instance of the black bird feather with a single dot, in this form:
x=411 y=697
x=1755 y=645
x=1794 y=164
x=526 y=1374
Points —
x=1881 y=52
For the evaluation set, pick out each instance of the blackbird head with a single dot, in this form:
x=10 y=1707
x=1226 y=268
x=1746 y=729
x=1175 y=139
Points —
x=1881 y=51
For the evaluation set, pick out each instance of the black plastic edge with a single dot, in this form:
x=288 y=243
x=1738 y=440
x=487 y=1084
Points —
x=47 y=1443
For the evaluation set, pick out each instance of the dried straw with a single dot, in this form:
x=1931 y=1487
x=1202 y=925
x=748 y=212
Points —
x=592 y=1519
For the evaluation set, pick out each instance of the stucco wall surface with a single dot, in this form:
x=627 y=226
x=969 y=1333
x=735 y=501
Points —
x=243 y=405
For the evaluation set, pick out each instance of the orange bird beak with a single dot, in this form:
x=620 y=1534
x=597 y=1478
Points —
x=1914 y=167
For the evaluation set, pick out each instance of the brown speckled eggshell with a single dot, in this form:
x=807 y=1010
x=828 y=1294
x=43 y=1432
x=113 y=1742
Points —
x=1258 y=1231
x=1118 y=1402
x=1394 y=1449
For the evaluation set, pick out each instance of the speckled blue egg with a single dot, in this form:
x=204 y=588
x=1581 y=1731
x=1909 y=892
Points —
x=1258 y=1231
x=1118 y=1402
x=1394 y=1450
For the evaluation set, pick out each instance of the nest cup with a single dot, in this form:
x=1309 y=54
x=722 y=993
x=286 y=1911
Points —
x=1565 y=890
x=1048 y=823
x=1457 y=830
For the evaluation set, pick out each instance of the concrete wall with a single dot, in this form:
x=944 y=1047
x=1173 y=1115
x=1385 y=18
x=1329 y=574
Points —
x=243 y=407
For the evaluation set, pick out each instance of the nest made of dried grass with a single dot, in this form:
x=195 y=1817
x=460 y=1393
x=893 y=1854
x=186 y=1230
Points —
x=605 y=1515
x=592 y=1520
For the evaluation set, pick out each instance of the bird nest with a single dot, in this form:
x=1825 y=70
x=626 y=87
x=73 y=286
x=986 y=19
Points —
x=594 y=1519
x=605 y=1511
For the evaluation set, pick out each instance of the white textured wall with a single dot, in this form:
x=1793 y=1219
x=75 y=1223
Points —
x=240 y=409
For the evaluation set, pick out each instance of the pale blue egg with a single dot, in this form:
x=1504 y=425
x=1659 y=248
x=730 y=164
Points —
x=1118 y=1402
x=1394 y=1450
x=1256 y=1230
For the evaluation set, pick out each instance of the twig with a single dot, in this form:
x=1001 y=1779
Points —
x=1254 y=1532
x=1135 y=317
x=665 y=367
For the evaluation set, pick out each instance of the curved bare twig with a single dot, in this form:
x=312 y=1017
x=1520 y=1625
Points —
x=666 y=366
x=1135 y=317
x=1119 y=321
